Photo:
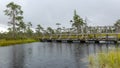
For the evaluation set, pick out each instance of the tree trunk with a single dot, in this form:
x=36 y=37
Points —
x=13 y=25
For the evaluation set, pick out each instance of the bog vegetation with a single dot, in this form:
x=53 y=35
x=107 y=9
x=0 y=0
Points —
x=106 y=60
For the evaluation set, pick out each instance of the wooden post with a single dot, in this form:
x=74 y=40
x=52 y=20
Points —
x=107 y=37
x=117 y=39
x=94 y=37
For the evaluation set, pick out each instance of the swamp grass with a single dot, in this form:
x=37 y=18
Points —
x=110 y=59
x=13 y=42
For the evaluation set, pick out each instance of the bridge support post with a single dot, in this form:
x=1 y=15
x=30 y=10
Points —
x=107 y=38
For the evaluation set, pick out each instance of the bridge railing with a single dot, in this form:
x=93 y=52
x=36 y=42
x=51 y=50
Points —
x=83 y=36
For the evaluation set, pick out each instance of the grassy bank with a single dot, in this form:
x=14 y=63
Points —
x=106 y=60
x=13 y=42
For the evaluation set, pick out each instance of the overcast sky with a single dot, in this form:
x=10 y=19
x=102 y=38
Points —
x=49 y=12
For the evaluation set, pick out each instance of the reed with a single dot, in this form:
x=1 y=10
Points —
x=106 y=60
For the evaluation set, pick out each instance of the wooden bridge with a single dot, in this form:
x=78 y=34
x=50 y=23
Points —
x=83 y=38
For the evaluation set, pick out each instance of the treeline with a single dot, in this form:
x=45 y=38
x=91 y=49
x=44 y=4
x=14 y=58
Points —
x=20 y=30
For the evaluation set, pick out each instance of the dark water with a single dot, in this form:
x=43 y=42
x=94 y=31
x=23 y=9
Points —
x=49 y=55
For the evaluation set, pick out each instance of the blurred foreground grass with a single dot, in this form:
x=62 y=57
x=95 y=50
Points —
x=110 y=59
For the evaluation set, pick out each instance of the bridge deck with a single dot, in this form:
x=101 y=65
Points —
x=83 y=38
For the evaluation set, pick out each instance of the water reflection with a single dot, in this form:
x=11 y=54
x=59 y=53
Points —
x=50 y=55
x=18 y=57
